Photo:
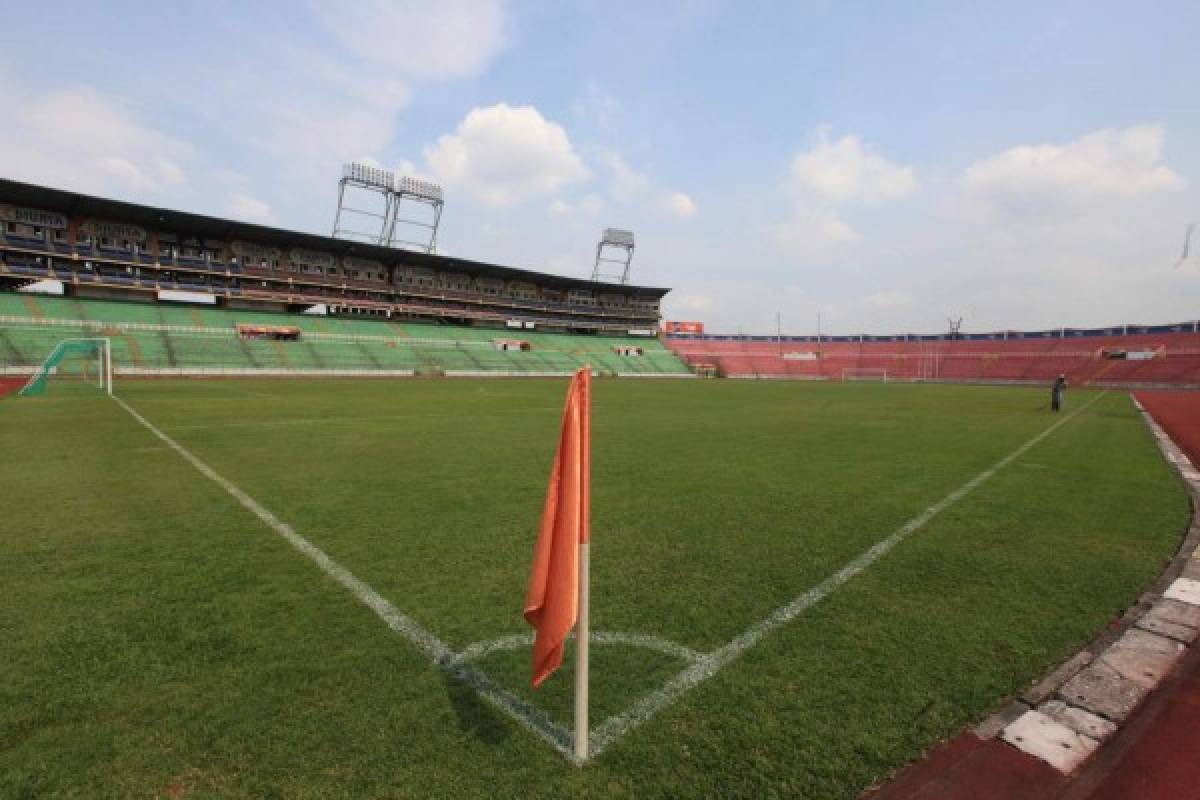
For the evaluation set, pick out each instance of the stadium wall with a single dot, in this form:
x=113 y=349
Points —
x=1135 y=356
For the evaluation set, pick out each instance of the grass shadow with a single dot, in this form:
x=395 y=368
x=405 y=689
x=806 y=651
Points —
x=475 y=715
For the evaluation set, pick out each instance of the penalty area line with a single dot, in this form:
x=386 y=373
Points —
x=711 y=663
x=439 y=653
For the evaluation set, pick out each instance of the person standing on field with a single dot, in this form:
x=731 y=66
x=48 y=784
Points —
x=1056 y=394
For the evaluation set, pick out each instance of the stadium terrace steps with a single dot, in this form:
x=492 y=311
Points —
x=32 y=305
x=1032 y=360
x=8 y=350
x=150 y=336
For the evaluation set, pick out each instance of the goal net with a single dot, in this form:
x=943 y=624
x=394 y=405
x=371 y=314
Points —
x=878 y=375
x=73 y=365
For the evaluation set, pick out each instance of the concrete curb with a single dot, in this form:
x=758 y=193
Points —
x=1064 y=718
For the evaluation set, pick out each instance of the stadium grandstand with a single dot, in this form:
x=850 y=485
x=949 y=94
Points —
x=1124 y=355
x=182 y=294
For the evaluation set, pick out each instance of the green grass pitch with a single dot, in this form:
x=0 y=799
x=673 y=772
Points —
x=157 y=639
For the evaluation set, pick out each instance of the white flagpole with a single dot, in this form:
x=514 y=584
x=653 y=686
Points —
x=582 y=634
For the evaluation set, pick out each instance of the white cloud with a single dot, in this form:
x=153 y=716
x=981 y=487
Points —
x=78 y=138
x=1104 y=165
x=694 y=302
x=848 y=171
x=828 y=178
x=567 y=265
x=813 y=232
x=419 y=38
x=888 y=299
x=408 y=168
x=625 y=184
x=677 y=204
x=250 y=209
x=631 y=187
x=503 y=155
x=587 y=206
x=309 y=119
x=591 y=205
x=598 y=107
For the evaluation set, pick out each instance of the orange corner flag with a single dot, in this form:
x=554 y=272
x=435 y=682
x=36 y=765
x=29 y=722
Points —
x=552 y=601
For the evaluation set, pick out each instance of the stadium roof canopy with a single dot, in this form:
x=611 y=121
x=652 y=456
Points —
x=198 y=225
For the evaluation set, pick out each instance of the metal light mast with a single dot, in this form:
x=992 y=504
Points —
x=615 y=248
x=393 y=201
x=407 y=194
x=375 y=187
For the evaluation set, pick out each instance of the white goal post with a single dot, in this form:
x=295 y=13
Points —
x=83 y=360
x=878 y=374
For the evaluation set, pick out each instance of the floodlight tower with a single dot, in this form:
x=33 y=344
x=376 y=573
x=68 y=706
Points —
x=407 y=194
x=615 y=247
x=375 y=186
x=393 y=200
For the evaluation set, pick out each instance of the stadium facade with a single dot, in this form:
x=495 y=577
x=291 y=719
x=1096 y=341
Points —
x=102 y=248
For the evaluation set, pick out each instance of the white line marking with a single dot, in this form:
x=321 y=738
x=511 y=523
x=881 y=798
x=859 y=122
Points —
x=328 y=420
x=702 y=666
x=617 y=726
x=440 y=653
x=478 y=650
x=664 y=646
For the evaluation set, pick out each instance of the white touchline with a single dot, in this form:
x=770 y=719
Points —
x=617 y=726
x=440 y=653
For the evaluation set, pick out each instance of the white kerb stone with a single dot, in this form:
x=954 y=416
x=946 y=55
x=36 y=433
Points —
x=1056 y=744
x=1078 y=720
x=1184 y=590
x=1142 y=657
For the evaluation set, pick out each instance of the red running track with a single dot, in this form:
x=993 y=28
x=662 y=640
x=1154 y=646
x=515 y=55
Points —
x=1179 y=415
x=1157 y=756
x=9 y=385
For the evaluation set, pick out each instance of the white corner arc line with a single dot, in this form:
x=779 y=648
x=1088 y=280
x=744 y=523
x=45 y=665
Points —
x=514 y=641
x=438 y=652
x=710 y=664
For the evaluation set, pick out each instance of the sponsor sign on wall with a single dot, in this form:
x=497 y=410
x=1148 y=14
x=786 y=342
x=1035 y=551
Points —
x=176 y=296
x=683 y=327
x=32 y=216
x=119 y=231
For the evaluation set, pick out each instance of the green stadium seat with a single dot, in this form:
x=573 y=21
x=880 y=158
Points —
x=210 y=341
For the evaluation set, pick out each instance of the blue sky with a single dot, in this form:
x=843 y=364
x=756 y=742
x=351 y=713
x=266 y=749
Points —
x=883 y=164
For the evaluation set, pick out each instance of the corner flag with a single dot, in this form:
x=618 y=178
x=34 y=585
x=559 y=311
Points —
x=557 y=597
